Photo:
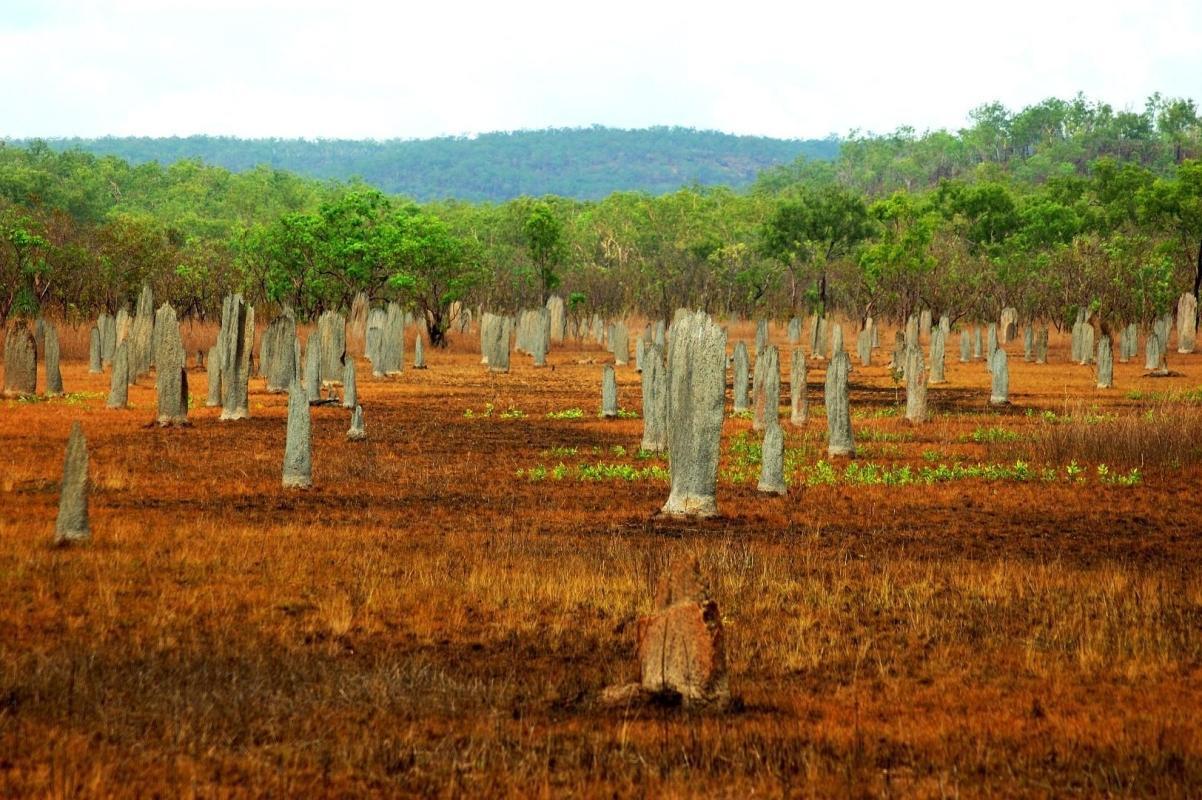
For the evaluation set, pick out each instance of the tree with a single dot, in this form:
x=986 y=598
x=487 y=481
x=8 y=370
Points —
x=814 y=229
x=431 y=267
x=785 y=238
x=24 y=274
x=285 y=259
x=543 y=233
x=899 y=258
x=352 y=251
x=1176 y=120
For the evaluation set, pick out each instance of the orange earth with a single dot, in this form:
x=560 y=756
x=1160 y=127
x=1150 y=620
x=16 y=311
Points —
x=428 y=620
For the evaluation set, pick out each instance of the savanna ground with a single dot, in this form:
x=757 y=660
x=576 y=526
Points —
x=429 y=620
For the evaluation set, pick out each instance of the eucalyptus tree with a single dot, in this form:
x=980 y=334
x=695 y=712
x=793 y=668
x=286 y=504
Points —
x=23 y=269
x=897 y=264
x=431 y=267
x=811 y=229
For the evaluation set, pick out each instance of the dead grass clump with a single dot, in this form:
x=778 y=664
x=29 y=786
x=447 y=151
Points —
x=1164 y=436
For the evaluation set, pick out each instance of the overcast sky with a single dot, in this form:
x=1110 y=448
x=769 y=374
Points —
x=354 y=69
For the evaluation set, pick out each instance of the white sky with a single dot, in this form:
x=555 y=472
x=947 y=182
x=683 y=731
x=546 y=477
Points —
x=354 y=69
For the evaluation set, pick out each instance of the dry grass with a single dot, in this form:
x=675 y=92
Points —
x=424 y=623
x=1167 y=435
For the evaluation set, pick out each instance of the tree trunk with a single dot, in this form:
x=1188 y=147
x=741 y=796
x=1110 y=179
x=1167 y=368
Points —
x=435 y=329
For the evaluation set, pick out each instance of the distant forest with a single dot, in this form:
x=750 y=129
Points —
x=1046 y=209
x=583 y=164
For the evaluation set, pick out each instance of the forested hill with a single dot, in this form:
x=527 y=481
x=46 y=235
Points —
x=584 y=163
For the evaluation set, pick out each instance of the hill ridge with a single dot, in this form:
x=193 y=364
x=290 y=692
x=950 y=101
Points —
x=584 y=163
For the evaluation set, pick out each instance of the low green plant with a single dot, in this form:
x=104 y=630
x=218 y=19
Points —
x=875 y=435
x=487 y=412
x=533 y=474
x=601 y=471
x=992 y=435
x=821 y=474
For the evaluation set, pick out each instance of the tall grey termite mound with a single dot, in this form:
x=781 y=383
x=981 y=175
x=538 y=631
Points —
x=916 y=385
x=108 y=337
x=538 y=336
x=556 y=319
x=761 y=336
x=742 y=369
x=655 y=400
x=836 y=330
x=500 y=333
x=609 y=392
x=54 y=375
x=1008 y=325
x=312 y=384
x=838 y=408
x=357 y=432
x=1128 y=343
x=767 y=394
x=119 y=379
x=772 y=462
x=298 y=454
x=141 y=336
x=965 y=345
x=1087 y=343
x=350 y=389
x=376 y=319
x=237 y=339
x=620 y=342
x=276 y=359
x=20 y=361
x=938 y=351
x=817 y=335
x=487 y=320
x=95 y=363
x=121 y=326
x=1187 y=323
x=999 y=393
x=1154 y=359
x=419 y=353
x=696 y=393
x=1041 y=345
x=332 y=327
x=72 y=524
x=864 y=346
x=213 y=377
x=170 y=377
x=799 y=398
x=391 y=359
x=1105 y=363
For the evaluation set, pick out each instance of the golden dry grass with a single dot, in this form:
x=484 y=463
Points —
x=424 y=622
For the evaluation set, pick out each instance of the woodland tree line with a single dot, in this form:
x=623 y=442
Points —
x=1056 y=206
x=584 y=163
